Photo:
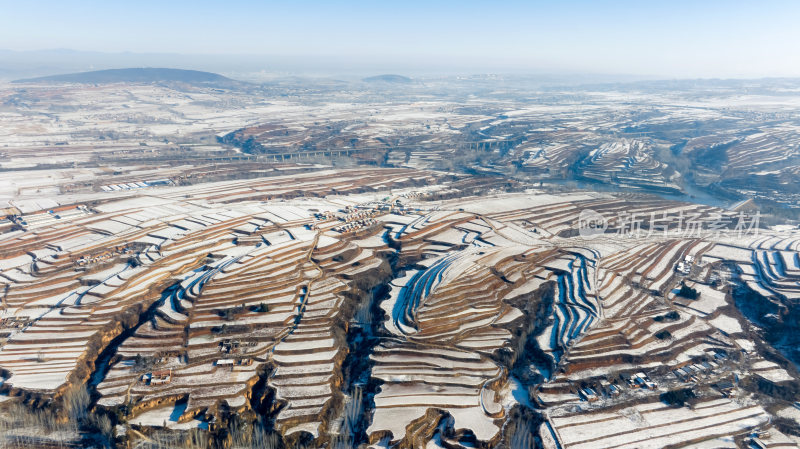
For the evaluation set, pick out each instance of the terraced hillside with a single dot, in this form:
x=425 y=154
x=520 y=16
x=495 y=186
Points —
x=385 y=308
x=629 y=163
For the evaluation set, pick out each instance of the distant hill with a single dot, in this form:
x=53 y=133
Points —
x=400 y=79
x=137 y=75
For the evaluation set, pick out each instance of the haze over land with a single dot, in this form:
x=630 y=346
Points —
x=679 y=39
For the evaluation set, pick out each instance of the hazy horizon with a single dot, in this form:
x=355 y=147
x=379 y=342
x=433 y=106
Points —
x=680 y=39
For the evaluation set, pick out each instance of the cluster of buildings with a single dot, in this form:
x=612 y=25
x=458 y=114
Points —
x=354 y=226
x=233 y=346
x=689 y=373
x=588 y=394
x=83 y=260
x=685 y=266
x=640 y=380
x=357 y=217
x=360 y=215
x=135 y=185
x=592 y=394
x=232 y=363
x=411 y=195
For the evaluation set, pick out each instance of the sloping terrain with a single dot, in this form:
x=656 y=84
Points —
x=358 y=316
x=302 y=265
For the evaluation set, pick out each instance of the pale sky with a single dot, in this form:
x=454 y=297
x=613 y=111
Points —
x=659 y=38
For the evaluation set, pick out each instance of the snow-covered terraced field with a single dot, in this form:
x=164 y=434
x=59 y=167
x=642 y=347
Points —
x=218 y=281
x=765 y=148
x=244 y=297
x=654 y=425
x=197 y=259
x=627 y=162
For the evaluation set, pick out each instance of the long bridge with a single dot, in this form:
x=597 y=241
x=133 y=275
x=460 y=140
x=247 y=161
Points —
x=485 y=145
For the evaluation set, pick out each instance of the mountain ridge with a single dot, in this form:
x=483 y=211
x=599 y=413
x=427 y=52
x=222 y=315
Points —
x=136 y=75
